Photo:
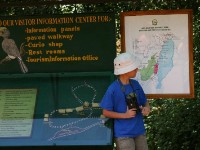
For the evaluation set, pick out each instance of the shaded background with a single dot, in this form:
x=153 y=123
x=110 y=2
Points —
x=174 y=124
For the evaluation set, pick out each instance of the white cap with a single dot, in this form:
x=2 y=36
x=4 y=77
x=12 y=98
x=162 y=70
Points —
x=125 y=62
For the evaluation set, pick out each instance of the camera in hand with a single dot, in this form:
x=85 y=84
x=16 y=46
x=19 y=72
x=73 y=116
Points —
x=131 y=100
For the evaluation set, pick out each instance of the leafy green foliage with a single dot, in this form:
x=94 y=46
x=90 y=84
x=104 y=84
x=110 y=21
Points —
x=174 y=124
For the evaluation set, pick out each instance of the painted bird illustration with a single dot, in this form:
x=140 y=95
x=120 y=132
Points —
x=10 y=48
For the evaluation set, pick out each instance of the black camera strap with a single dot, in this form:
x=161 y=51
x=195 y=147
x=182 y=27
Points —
x=132 y=101
x=122 y=86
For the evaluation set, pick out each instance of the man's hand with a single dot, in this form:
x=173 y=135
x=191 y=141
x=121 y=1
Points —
x=145 y=110
x=130 y=113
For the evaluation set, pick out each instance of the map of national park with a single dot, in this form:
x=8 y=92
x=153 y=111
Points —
x=162 y=59
x=157 y=58
x=161 y=44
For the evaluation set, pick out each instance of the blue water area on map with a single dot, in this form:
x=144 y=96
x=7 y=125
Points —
x=165 y=61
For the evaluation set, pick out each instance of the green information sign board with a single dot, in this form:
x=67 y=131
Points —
x=54 y=71
x=58 y=43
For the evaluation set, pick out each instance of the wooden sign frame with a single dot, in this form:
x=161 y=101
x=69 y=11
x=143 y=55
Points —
x=157 y=37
